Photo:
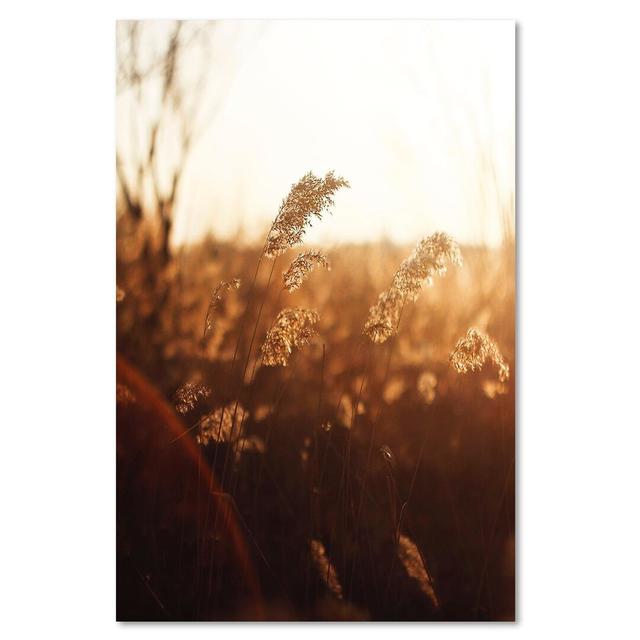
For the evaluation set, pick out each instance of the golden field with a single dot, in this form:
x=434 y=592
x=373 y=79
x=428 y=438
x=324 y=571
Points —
x=360 y=481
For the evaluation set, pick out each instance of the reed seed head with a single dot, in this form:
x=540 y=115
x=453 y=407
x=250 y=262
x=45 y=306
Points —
x=415 y=567
x=292 y=328
x=429 y=258
x=310 y=196
x=384 y=316
x=188 y=396
x=473 y=350
x=325 y=568
x=301 y=267
x=214 y=303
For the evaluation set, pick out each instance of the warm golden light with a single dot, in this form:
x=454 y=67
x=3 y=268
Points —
x=315 y=271
x=420 y=115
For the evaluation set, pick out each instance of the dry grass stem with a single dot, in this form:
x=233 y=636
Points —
x=249 y=444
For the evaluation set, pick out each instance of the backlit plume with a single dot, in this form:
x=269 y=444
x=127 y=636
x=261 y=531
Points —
x=214 y=302
x=428 y=259
x=415 y=567
x=473 y=350
x=292 y=328
x=301 y=267
x=310 y=196
x=188 y=396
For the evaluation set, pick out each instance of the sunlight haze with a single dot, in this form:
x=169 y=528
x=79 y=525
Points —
x=416 y=115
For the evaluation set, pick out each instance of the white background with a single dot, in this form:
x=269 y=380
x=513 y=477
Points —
x=579 y=104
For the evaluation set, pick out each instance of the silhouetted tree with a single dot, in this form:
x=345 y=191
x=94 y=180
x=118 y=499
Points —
x=164 y=94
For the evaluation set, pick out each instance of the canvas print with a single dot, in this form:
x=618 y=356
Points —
x=315 y=313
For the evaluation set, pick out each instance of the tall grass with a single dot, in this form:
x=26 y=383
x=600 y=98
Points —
x=263 y=388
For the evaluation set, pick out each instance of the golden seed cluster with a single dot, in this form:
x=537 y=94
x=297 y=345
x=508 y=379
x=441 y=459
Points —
x=301 y=267
x=292 y=328
x=413 y=564
x=473 y=350
x=220 y=426
x=428 y=259
x=188 y=396
x=310 y=196
x=214 y=302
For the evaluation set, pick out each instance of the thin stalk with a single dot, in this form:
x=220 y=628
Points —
x=252 y=377
x=370 y=448
x=246 y=364
x=233 y=362
x=405 y=504
x=493 y=531
x=271 y=420
x=230 y=448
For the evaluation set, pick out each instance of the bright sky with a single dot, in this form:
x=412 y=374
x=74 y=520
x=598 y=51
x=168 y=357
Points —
x=416 y=115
